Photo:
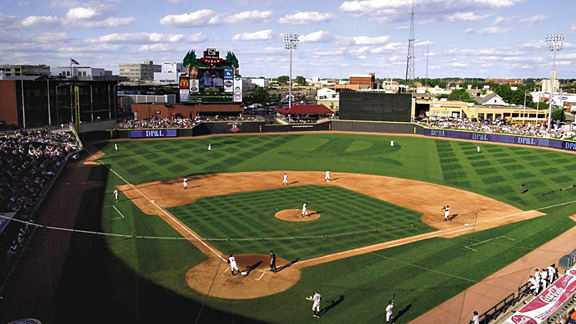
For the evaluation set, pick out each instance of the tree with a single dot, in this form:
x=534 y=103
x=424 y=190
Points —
x=558 y=115
x=300 y=80
x=260 y=95
x=283 y=79
x=460 y=94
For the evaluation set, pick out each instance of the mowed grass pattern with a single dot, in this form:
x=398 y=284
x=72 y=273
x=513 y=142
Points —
x=245 y=223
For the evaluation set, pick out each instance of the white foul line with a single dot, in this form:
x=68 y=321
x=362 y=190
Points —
x=262 y=275
x=121 y=216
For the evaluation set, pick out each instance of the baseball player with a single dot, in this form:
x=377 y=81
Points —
x=392 y=143
x=316 y=305
x=446 y=212
x=544 y=278
x=304 y=210
x=115 y=147
x=389 y=310
x=116 y=194
x=209 y=147
x=232 y=263
x=476 y=318
x=272 y=261
x=327 y=177
x=478 y=148
x=185 y=183
x=285 y=180
x=551 y=273
x=535 y=284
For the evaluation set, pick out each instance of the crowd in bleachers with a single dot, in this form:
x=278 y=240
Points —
x=28 y=161
x=179 y=122
x=500 y=126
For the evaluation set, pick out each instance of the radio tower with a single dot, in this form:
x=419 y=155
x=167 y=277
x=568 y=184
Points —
x=410 y=57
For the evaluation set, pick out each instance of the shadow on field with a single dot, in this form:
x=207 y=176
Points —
x=315 y=213
x=403 y=311
x=284 y=266
x=332 y=303
x=249 y=268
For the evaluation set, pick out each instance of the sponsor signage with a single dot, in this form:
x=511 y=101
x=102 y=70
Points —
x=184 y=95
x=153 y=133
x=184 y=83
x=500 y=138
x=541 y=307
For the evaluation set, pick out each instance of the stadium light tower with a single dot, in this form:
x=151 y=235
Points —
x=554 y=43
x=290 y=42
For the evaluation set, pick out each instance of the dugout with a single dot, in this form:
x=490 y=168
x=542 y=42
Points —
x=375 y=106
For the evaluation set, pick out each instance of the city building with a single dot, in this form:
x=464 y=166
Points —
x=139 y=72
x=169 y=74
x=9 y=70
x=363 y=81
x=505 y=81
x=38 y=101
x=80 y=72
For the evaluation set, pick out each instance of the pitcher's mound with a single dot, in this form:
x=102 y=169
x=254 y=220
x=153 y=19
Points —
x=294 y=215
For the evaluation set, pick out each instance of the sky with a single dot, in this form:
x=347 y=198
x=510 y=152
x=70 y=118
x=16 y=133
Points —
x=337 y=38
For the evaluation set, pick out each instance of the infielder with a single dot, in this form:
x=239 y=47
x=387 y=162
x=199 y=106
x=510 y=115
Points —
x=232 y=263
x=185 y=183
x=316 y=305
x=389 y=310
x=304 y=210
x=327 y=177
x=447 y=213
x=273 y=261
x=116 y=194
x=285 y=180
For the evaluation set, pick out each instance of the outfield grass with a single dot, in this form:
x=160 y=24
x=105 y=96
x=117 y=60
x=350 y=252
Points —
x=423 y=274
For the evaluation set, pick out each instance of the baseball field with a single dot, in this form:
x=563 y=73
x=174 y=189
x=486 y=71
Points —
x=376 y=230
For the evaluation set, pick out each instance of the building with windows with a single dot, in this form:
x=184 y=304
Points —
x=37 y=101
x=139 y=72
x=9 y=70
x=80 y=72
x=169 y=73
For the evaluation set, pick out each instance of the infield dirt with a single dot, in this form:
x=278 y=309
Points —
x=471 y=211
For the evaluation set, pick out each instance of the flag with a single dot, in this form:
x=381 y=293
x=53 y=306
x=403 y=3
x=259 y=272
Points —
x=73 y=61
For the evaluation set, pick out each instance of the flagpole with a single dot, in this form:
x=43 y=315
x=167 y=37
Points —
x=71 y=68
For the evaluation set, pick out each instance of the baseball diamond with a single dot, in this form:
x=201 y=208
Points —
x=374 y=231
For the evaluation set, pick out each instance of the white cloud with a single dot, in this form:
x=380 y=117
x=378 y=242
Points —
x=532 y=19
x=63 y=3
x=7 y=22
x=498 y=20
x=197 y=18
x=306 y=17
x=155 y=48
x=52 y=37
x=365 y=40
x=573 y=28
x=108 y=23
x=44 y=21
x=487 y=30
x=249 y=16
x=143 y=38
x=317 y=37
x=464 y=16
x=95 y=15
x=261 y=35
x=92 y=11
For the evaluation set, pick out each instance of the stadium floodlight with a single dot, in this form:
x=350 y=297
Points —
x=554 y=43
x=290 y=43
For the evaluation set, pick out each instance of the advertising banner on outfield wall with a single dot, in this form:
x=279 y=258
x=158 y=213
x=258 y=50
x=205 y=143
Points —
x=541 y=307
x=153 y=133
x=500 y=138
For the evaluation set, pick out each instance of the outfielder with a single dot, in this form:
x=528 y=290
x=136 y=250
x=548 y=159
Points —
x=185 y=183
x=233 y=265
x=116 y=194
x=304 y=210
x=327 y=177
x=392 y=143
x=209 y=147
x=478 y=148
x=115 y=147
x=285 y=180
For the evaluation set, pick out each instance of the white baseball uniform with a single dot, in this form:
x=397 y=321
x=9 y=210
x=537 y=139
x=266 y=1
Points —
x=285 y=180
x=233 y=265
x=327 y=177
x=115 y=147
x=316 y=305
x=535 y=284
x=304 y=210
x=392 y=143
x=478 y=148
x=185 y=183
x=446 y=213
x=116 y=194
x=209 y=147
x=389 y=310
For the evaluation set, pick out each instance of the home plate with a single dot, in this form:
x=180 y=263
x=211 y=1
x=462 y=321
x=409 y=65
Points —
x=244 y=273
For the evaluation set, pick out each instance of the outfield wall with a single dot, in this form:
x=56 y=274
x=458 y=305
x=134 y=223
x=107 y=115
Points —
x=376 y=127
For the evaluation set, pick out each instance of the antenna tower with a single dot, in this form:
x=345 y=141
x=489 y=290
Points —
x=410 y=57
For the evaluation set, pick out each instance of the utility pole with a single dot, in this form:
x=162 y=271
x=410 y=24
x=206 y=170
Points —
x=410 y=57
